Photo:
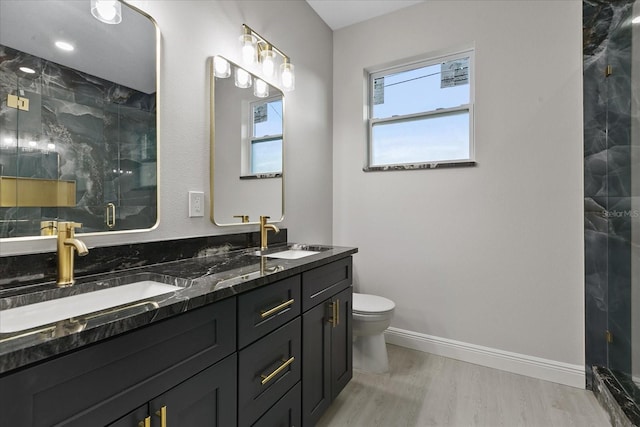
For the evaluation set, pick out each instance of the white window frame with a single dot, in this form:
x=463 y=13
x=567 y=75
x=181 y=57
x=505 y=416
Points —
x=411 y=65
x=253 y=139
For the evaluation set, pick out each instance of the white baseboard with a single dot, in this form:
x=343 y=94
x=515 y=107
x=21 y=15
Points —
x=531 y=366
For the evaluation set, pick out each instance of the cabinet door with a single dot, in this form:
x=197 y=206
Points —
x=341 y=342
x=206 y=399
x=316 y=362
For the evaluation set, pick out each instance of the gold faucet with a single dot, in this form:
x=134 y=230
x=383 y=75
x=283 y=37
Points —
x=67 y=243
x=264 y=228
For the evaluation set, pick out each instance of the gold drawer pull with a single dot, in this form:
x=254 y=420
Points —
x=267 y=378
x=145 y=423
x=162 y=413
x=276 y=309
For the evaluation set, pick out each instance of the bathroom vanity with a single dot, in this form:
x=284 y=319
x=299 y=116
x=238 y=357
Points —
x=248 y=340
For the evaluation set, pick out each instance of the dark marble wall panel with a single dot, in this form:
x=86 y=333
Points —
x=608 y=189
x=104 y=134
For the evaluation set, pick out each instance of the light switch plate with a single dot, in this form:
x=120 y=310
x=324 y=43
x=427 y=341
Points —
x=196 y=204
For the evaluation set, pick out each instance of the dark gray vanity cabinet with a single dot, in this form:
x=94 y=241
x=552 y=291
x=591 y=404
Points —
x=327 y=336
x=98 y=384
x=274 y=356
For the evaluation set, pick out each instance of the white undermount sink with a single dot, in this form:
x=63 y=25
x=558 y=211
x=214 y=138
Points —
x=42 y=313
x=292 y=254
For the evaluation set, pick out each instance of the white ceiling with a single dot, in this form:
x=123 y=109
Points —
x=342 y=13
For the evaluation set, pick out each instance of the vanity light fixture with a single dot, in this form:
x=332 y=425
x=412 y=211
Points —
x=243 y=78
x=260 y=89
x=636 y=20
x=107 y=11
x=287 y=75
x=221 y=67
x=268 y=61
x=257 y=48
x=27 y=70
x=64 y=46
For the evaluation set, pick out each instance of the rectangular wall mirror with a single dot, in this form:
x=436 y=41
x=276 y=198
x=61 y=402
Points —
x=247 y=146
x=78 y=124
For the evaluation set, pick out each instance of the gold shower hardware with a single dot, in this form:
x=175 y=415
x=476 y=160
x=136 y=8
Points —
x=243 y=218
x=48 y=228
x=608 y=336
x=19 y=192
x=608 y=71
x=162 y=413
x=145 y=423
x=18 y=102
x=276 y=309
x=110 y=215
x=267 y=378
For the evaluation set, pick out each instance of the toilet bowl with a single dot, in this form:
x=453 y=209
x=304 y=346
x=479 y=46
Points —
x=371 y=316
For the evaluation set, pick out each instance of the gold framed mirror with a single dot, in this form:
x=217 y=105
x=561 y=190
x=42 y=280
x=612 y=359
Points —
x=247 y=146
x=78 y=122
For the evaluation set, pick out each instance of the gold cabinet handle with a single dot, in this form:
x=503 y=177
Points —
x=267 y=378
x=337 y=304
x=145 y=423
x=162 y=413
x=276 y=309
x=110 y=215
x=334 y=314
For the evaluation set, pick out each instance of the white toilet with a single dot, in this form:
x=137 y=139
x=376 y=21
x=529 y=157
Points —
x=371 y=316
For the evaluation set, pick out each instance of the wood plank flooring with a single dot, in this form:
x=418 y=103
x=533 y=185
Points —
x=423 y=389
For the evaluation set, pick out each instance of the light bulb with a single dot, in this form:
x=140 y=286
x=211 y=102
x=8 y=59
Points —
x=248 y=43
x=287 y=76
x=107 y=11
x=261 y=89
x=243 y=78
x=268 y=60
x=64 y=46
x=27 y=70
x=221 y=67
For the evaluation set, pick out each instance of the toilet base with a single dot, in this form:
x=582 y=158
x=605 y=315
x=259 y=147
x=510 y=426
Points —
x=370 y=354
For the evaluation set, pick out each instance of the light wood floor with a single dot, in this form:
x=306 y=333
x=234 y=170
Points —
x=427 y=390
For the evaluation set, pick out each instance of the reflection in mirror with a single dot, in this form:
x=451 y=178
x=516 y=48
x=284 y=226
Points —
x=77 y=121
x=247 y=146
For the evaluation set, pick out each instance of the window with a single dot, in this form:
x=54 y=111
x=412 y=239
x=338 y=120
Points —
x=421 y=114
x=266 y=137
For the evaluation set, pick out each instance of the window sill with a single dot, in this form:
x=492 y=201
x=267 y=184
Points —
x=417 y=166
x=262 y=175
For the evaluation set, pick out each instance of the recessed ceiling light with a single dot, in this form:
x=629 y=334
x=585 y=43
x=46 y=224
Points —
x=64 y=46
x=27 y=70
x=636 y=20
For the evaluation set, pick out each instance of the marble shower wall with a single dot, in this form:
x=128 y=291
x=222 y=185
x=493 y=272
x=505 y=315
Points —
x=609 y=196
x=82 y=128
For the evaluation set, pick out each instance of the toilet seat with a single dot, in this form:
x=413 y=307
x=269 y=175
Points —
x=366 y=304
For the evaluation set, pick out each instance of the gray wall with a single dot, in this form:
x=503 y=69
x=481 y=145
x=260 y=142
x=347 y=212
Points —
x=487 y=259
x=192 y=31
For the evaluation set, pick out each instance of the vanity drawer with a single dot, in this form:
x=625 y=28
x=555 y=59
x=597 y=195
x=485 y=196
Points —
x=285 y=413
x=323 y=282
x=267 y=369
x=266 y=309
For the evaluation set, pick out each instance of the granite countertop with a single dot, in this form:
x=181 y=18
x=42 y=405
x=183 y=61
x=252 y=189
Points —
x=202 y=280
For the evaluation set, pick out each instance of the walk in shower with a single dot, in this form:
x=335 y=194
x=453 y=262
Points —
x=611 y=48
